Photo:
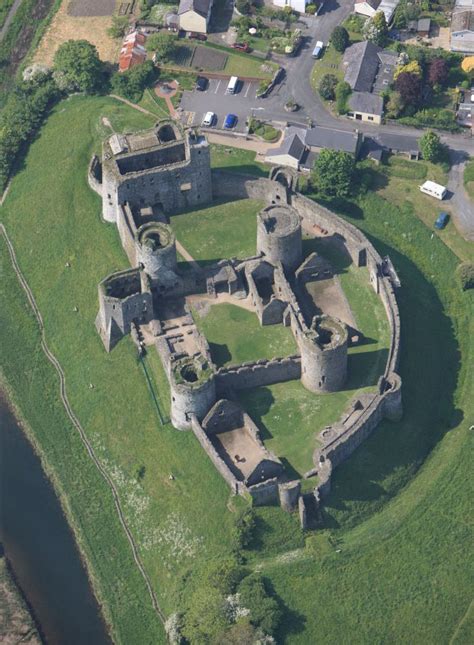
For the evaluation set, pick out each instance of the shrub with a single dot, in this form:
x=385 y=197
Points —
x=409 y=87
x=327 y=87
x=413 y=67
x=119 y=26
x=465 y=273
x=243 y=531
x=342 y=93
x=243 y=6
x=163 y=43
x=438 y=72
x=311 y=8
x=376 y=29
x=340 y=39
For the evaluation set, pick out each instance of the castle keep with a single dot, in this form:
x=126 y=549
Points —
x=145 y=176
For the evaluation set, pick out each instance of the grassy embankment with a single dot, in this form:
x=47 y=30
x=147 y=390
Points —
x=469 y=178
x=402 y=574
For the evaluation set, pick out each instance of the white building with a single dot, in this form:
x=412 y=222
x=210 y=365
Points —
x=296 y=5
x=194 y=15
x=370 y=7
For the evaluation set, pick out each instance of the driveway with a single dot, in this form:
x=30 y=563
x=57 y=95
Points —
x=462 y=205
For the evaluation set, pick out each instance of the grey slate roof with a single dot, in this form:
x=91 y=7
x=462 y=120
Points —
x=397 y=142
x=361 y=63
x=319 y=137
x=199 y=6
x=292 y=144
x=366 y=102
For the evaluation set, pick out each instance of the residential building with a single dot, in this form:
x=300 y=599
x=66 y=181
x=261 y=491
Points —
x=462 y=27
x=195 y=15
x=364 y=106
x=301 y=145
x=133 y=51
x=366 y=7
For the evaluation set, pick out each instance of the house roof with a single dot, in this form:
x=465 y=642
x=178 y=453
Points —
x=361 y=63
x=462 y=20
x=319 y=137
x=366 y=102
x=424 y=24
x=372 y=3
x=397 y=142
x=292 y=145
x=201 y=7
x=133 y=51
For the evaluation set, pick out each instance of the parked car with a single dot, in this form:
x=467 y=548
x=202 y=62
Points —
x=202 y=83
x=318 y=49
x=442 y=220
x=242 y=47
x=230 y=121
x=209 y=119
x=194 y=35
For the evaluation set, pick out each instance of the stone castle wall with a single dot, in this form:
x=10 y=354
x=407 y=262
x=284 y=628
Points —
x=258 y=373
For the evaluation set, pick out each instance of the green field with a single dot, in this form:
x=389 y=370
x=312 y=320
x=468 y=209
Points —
x=392 y=565
x=237 y=160
x=206 y=233
x=469 y=178
x=235 y=336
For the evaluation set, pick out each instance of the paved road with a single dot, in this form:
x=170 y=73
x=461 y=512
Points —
x=11 y=15
x=463 y=208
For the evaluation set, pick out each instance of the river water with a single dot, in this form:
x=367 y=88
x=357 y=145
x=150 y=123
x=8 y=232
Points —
x=40 y=545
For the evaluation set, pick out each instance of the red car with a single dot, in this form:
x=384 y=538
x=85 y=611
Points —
x=193 y=35
x=242 y=47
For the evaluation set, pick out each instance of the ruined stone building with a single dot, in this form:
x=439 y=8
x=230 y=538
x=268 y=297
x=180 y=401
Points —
x=144 y=177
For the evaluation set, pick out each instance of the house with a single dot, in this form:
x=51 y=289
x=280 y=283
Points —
x=301 y=145
x=194 y=15
x=397 y=144
x=133 y=51
x=366 y=7
x=462 y=27
x=369 y=70
x=296 y=5
x=364 y=106
x=423 y=27
x=388 y=7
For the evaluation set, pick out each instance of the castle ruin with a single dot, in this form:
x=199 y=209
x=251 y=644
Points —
x=146 y=176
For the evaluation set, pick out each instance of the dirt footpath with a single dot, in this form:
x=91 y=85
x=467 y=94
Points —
x=66 y=27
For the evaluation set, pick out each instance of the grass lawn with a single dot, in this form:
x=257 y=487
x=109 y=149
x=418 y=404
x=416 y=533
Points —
x=399 y=183
x=154 y=104
x=469 y=178
x=236 y=336
x=171 y=527
x=329 y=63
x=395 y=566
x=224 y=230
x=236 y=160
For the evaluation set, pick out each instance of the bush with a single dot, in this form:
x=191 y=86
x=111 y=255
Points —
x=343 y=91
x=327 y=87
x=334 y=171
x=163 y=43
x=311 y=9
x=431 y=146
x=243 y=6
x=340 y=39
x=243 y=531
x=132 y=83
x=465 y=273
x=119 y=26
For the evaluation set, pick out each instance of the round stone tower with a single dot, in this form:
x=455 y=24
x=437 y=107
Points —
x=156 y=248
x=323 y=350
x=193 y=390
x=279 y=235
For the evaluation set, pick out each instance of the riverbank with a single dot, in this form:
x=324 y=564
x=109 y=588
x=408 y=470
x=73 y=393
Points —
x=16 y=622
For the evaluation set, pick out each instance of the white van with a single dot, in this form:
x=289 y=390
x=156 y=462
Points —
x=434 y=190
x=233 y=83
x=209 y=119
x=318 y=49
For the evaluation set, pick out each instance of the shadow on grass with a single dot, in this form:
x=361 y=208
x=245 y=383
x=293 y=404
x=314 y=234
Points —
x=244 y=169
x=331 y=248
x=203 y=207
x=257 y=402
x=365 y=368
x=429 y=367
x=220 y=354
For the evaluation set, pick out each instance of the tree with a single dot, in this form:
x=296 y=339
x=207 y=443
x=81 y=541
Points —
x=431 y=146
x=340 y=39
x=327 y=87
x=376 y=29
x=438 y=72
x=243 y=6
x=77 y=67
x=343 y=91
x=409 y=86
x=205 y=618
x=265 y=611
x=131 y=83
x=119 y=26
x=395 y=105
x=163 y=43
x=334 y=172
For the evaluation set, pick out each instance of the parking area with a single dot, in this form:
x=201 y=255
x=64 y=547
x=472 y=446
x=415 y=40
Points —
x=195 y=104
